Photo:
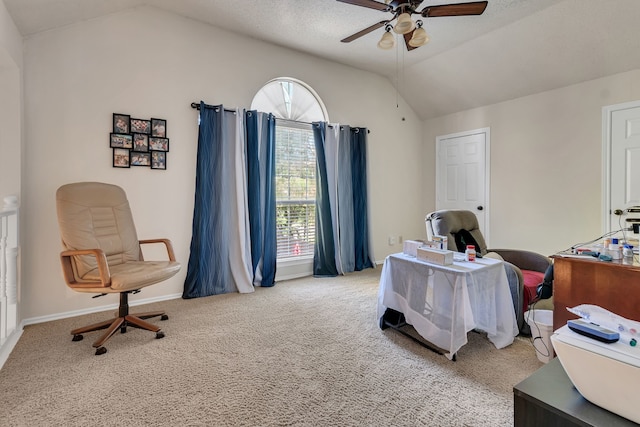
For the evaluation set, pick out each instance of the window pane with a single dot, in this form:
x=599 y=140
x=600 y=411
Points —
x=295 y=190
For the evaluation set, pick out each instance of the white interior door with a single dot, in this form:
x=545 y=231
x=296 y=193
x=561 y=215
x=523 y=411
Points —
x=462 y=174
x=622 y=165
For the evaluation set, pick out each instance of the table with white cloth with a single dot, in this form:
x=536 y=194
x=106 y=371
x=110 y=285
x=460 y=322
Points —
x=444 y=302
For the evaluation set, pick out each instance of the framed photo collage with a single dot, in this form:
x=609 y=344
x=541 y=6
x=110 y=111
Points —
x=139 y=142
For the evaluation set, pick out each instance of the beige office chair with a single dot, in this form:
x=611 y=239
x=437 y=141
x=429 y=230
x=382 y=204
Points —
x=525 y=269
x=102 y=254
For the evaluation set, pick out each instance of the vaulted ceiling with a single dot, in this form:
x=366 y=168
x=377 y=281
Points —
x=515 y=48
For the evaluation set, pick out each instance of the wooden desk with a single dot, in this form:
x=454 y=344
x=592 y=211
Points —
x=614 y=286
x=548 y=398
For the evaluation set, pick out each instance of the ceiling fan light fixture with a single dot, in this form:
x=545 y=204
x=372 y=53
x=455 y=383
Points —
x=419 y=38
x=405 y=24
x=387 y=41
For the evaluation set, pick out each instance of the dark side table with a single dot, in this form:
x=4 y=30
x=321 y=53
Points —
x=548 y=398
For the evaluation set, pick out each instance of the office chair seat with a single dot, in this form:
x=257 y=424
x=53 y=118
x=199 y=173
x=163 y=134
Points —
x=132 y=275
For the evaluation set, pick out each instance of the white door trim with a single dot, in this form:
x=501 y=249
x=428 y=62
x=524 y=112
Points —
x=607 y=113
x=487 y=173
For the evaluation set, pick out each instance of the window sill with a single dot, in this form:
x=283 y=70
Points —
x=294 y=267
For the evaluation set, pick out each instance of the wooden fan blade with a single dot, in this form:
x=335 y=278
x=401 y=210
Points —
x=458 y=9
x=363 y=32
x=371 y=4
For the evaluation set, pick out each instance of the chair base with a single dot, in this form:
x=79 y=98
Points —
x=121 y=322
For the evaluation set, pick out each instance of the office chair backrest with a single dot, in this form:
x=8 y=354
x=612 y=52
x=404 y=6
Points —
x=449 y=223
x=96 y=215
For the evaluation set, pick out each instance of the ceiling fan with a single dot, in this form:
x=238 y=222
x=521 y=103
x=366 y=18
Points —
x=414 y=35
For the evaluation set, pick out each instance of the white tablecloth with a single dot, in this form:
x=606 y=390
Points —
x=443 y=303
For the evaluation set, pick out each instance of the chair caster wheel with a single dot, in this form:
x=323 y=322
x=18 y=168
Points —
x=164 y=317
x=100 y=350
x=77 y=337
x=159 y=335
x=123 y=330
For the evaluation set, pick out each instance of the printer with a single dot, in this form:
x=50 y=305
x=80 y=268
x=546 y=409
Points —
x=605 y=373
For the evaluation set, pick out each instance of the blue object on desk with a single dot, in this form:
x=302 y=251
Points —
x=594 y=331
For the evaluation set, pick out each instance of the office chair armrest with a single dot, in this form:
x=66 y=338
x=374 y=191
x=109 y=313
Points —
x=525 y=260
x=167 y=244
x=101 y=261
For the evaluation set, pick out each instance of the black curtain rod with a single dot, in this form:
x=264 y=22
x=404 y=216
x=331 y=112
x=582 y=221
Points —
x=196 y=105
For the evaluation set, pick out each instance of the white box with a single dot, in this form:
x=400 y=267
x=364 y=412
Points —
x=431 y=244
x=435 y=256
x=441 y=241
x=410 y=247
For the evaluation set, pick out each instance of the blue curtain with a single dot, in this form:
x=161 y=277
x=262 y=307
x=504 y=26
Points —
x=342 y=230
x=261 y=136
x=324 y=250
x=222 y=242
x=360 y=202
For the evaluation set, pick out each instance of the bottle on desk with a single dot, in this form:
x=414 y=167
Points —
x=470 y=253
x=615 y=250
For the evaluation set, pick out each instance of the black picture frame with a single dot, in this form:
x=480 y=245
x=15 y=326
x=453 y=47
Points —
x=121 y=123
x=121 y=158
x=140 y=142
x=140 y=126
x=159 y=160
x=121 y=140
x=159 y=128
x=159 y=144
x=140 y=159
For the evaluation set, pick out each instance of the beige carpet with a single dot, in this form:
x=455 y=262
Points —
x=306 y=352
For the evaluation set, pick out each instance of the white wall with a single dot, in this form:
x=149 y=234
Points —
x=10 y=105
x=149 y=63
x=10 y=38
x=546 y=162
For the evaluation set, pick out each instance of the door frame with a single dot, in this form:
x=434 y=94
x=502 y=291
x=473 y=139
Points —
x=607 y=113
x=487 y=173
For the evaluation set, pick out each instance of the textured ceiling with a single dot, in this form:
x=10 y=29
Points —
x=516 y=48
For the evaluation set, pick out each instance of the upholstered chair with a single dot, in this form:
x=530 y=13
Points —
x=525 y=269
x=102 y=254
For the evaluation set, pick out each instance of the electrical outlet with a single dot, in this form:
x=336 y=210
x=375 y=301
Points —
x=392 y=240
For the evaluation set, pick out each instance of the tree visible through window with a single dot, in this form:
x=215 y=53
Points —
x=295 y=105
x=295 y=190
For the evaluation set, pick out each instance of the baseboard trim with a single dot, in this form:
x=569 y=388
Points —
x=9 y=344
x=74 y=313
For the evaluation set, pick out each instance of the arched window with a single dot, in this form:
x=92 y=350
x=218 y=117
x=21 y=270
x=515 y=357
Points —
x=296 y=106
x=290 y=99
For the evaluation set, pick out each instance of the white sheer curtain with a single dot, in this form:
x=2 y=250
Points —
x=240 y=246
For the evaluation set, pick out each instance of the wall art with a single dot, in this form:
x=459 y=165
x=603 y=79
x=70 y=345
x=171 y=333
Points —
x=139 y=142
